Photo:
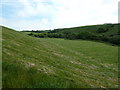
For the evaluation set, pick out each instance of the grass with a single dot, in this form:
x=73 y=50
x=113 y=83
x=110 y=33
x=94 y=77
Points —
x=30 y=62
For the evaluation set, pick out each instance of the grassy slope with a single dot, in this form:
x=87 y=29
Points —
x=33 y=62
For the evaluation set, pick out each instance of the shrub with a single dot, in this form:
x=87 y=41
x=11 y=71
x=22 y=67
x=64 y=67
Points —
x=31 y=34
x=86 y=35
x=115 y=40
x=101 y=30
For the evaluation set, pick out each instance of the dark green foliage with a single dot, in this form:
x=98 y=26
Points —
x=37 y=31
x=115 y=40
x=102 y=30
x=86 y=35
x=31 y=34
x=119 y=32
x=71 y=36
x=103 y=38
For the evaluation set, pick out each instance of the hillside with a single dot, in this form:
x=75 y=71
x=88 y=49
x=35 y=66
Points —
x=112 y=29
x=105 y=32
x=30 y=62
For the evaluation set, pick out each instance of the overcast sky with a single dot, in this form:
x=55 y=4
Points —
x=50 y=14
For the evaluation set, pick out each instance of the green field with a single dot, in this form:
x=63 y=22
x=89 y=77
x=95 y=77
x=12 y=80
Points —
x=30 y=62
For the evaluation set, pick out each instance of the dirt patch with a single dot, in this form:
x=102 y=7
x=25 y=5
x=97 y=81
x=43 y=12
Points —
x=75 y=62
x=28 y=64
x=57 y=54
x=107 y=65
x=91 y=67
x=46 y=70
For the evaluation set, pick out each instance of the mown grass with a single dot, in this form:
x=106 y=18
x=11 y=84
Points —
x=30 y=62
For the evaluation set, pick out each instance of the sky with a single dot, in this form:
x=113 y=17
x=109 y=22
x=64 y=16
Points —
x=52 y=14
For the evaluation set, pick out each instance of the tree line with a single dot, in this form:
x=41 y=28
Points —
x=115 y=39
x=98 y=35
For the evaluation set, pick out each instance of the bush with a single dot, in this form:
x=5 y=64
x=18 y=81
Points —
x=31 y=34
x=101 y=30
x=115 y=40
x=71 y=36
x=103 y=38
x=86 y=35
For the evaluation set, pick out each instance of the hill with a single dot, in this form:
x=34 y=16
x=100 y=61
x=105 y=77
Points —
x=29 y=62
x=106 y=33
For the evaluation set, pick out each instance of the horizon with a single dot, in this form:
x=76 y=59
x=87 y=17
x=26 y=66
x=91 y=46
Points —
x=51 y=14
x=56 y=28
